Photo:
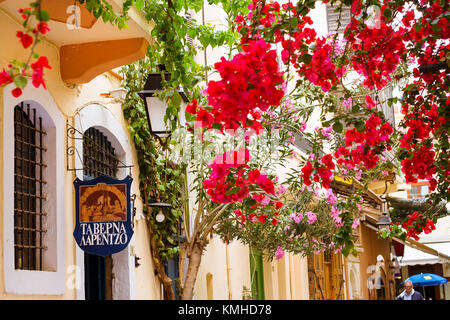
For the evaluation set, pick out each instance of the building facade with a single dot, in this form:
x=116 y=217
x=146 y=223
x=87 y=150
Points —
x=49 y=137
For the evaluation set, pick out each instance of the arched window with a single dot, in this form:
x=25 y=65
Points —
x=33 y=193
x=29 y=200
x=98 y=155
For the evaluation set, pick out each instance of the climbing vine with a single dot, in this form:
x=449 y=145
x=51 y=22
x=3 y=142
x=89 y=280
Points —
x=159 y=181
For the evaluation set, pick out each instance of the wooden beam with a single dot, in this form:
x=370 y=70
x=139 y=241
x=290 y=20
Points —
x=80 y=63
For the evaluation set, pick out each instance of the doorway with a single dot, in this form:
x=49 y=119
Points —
x=99 y=159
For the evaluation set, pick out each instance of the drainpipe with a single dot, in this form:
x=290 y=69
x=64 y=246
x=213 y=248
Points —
x=204 y=51
x=291 y=272
x=227 y=257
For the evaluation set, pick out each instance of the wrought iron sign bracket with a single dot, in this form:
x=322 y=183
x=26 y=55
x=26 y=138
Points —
x=72 y=134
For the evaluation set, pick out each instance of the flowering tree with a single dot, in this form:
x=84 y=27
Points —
x=249 y=96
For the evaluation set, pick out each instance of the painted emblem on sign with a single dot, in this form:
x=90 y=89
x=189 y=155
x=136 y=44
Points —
x=103 y=215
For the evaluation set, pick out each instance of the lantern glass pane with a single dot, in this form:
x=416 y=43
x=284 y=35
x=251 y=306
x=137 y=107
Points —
x=157 y=111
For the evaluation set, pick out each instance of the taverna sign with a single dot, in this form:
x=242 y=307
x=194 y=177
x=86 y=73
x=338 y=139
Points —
x=103 y=215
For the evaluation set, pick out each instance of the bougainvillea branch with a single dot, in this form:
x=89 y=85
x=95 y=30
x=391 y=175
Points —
x=20 y=72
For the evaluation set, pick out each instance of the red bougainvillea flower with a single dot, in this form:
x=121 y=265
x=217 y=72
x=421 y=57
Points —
x=262 y=218
x=43 y=27
x=306 y=173
x=365 y=147
x=192 y=107
x=229 y=180
x=38 y=73
x=321 y=71
x=249 y=81
x=356 y=7
x=417 y=223
x=5 y=78
x=24 y=12
x=17 y=92
x=204 y=119
x=25 y=38
x=369 y=102
x=377 y=51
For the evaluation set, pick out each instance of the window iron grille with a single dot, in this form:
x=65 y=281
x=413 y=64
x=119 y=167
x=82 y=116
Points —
x=99 y=157
x=29 y=182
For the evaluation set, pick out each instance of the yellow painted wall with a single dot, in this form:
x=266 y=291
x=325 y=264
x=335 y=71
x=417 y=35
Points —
x=69 y=99
x=226 y=283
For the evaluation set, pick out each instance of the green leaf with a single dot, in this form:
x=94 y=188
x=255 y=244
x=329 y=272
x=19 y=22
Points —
x=306 y=58
x=140 y=4
x=20 y=81
x=44 y=16
x=176 y=99
x=233 y=190
x=338 y=127
x=217 y=126
x=171 y=240
x=248 y=202
x=360 y=126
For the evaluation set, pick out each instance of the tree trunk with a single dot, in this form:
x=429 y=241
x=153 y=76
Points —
x=195 y=258
x=159 y=266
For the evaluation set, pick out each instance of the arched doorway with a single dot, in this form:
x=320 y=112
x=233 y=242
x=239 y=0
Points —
x=99 y=159
x=99 y=123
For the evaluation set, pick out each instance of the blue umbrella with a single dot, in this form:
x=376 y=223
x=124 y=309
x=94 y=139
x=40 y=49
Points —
x=426 y=279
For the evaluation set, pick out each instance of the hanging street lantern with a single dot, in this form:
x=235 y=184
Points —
x=384 y=221
x=154 y=107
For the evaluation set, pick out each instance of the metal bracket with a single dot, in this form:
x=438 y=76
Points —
x=72 y=134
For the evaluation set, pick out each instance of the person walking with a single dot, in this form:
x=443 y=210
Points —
x=409 y=293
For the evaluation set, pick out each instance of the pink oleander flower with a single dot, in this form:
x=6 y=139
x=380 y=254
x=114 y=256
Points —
x=303 y=127
x=331 y=197
x=281 y=189
x=339 y=249
x=265 y=201
x=335 y=215
x=347 y=103
x=311 y=217
x=279 y=253
x=297 y=217
x=327 y=132
x=355 y=223
x=291 y=139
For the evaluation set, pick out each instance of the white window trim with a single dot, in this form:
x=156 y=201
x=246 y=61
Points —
x=98 y=116
x=26 y=281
